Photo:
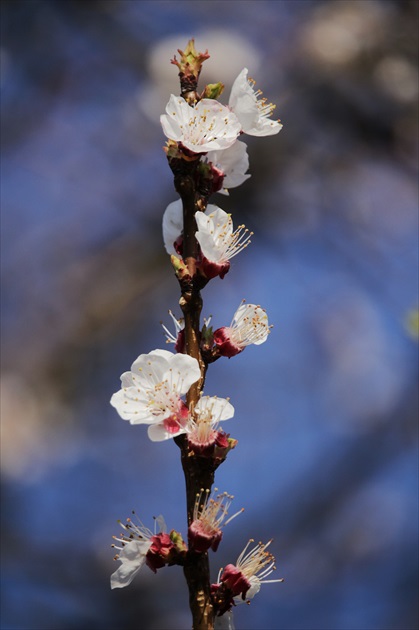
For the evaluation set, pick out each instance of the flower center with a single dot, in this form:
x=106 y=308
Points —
x=161 y=398
x=230 y=243
x=257 y=562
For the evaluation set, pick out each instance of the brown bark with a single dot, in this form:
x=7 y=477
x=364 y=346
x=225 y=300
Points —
x=199 y=472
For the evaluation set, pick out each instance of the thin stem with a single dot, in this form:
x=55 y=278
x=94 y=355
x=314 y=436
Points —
x=199 y=473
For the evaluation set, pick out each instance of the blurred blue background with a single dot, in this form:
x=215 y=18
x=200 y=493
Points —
x=325 y=410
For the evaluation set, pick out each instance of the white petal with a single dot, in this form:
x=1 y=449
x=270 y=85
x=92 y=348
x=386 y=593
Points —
x=171 y=128
x=264 y=127
x=212 y=208
x=254 y=589
x=134 y=410
x=175 y=115
x=132 y=558
x=117 y=401
x=233 y=162
x=217 y=222
x=185 y=371
x=126 y=379
x=126 y=408
x=244 y=102
x=172 y=225
x=149 y=369
x=209 y=248
x=162 y=353
x=214 y=234
x=239 y=87
x=178 y=107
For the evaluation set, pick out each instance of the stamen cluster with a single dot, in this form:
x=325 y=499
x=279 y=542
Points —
x=208 y=515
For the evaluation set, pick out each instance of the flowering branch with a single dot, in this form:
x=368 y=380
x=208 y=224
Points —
x=165 y=390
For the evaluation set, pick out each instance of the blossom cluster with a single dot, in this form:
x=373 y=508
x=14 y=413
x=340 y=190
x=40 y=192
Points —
x=208 y=133
x=202 y=140
x=236 y=583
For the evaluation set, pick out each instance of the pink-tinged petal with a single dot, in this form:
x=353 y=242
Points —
x=159 y=433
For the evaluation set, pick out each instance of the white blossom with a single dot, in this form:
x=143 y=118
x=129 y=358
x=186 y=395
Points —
x=151 y=392
x=252 y=111
x=256 y=565
x=249 y=326
x=245 y=578
x=135 y=544
x=207 y=126
x=219 y=243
